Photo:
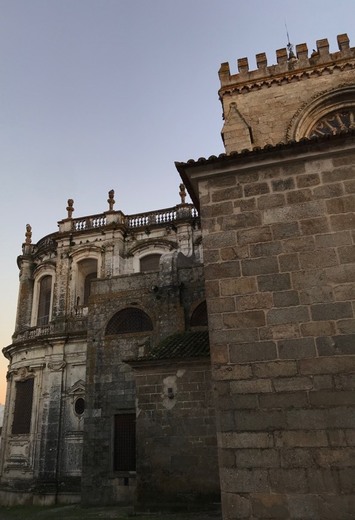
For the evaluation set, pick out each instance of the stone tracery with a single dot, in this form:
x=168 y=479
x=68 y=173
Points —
x=329 y=113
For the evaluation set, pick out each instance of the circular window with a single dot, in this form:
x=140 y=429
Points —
x=79 y=406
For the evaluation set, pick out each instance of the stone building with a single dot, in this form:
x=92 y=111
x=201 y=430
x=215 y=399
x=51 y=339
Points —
x=278 y=225
x=111 y=327
x=106 y=301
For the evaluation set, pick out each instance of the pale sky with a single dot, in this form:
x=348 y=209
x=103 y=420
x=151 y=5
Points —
x=101 y=94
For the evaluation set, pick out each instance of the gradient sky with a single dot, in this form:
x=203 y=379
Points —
x=101 y=94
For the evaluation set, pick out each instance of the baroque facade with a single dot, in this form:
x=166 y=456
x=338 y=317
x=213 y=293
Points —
x=110 y=378
x=111 y=345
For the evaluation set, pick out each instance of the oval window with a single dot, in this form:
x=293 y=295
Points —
x=79 y=406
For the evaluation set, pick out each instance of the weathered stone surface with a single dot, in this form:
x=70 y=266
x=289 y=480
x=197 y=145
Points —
x=77 y=355
x=294 y=295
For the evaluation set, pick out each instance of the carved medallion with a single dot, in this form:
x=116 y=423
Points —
x=56 y=366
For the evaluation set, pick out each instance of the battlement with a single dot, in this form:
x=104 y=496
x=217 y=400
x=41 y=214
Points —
x=288 y=64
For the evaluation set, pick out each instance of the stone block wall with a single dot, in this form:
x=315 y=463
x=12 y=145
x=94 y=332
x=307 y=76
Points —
x=279 y=251
x=176 y=436
x=110 y=384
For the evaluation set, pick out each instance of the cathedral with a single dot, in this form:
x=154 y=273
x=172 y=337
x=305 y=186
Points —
x=203 y=353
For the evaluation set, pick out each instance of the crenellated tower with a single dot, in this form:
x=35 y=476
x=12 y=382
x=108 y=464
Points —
x=286 y=101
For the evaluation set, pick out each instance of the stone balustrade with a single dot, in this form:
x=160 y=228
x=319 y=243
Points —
x=139 y=220
x=92 y=222
x=76 y=323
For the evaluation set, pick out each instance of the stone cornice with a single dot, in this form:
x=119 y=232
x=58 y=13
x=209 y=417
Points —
x=281 y=79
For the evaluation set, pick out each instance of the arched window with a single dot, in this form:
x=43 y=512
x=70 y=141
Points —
x=328 y=114
x=129 y=320
x=86 y=272
x=44 y=301
x=199 y=316
x=87 y=287
x=334 y=122
x=149 y=263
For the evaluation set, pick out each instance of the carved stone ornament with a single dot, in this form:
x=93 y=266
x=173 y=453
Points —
x=78 y=388
x=334 y=122
x=28 y=234
x=23 y=373
x=56 y=366
x=182 y=193
x=111 y=200
x=26 y=372
x=70 y=208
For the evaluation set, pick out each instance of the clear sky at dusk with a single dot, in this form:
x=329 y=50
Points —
x=101 y=94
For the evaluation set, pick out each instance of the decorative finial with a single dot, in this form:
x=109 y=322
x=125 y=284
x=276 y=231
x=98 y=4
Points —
x=291 y=54
x=111 y=201
x=182 y=193
x=28 y=234
x=70 y=208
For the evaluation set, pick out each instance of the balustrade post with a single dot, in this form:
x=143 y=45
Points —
x=67 y=223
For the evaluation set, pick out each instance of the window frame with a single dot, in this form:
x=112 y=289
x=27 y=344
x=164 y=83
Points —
x=18 y=417
x=146 y=250
x=145 y=257
x=127 y=450
x=126 y=329
x=38 y=277
x=44 y=301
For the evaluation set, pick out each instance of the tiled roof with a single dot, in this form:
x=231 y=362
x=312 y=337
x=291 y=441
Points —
x=304 y=145
x=185 y=345
x=265 y=149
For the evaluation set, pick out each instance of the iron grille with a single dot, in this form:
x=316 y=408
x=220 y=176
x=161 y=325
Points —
x=129 y=320
x=150 y=263
x=125 y=442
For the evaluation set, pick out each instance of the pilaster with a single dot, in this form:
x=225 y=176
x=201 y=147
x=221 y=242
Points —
x=25 y=296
